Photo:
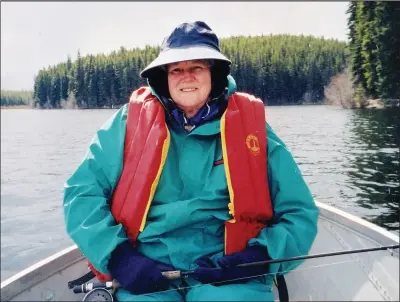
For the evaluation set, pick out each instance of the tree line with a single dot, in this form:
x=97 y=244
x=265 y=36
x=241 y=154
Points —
x=280 y=69
x=16 y=98
x=374 y=47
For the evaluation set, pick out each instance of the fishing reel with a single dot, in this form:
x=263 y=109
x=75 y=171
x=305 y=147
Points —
x=98 y=294
x=96 y=291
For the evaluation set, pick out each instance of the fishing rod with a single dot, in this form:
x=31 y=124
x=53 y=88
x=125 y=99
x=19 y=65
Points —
x=388 y=247
x=177 y=274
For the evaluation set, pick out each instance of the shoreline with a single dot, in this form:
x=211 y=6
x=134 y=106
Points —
x=16 y=107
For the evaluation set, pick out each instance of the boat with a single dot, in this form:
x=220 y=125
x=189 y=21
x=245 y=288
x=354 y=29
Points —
x=363 y=276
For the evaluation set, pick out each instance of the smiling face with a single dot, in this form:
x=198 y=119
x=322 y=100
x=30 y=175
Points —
x=189 y=84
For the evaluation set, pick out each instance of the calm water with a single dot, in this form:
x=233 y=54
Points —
x=350 y=159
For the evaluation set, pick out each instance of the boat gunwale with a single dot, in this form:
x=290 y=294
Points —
x=358 y=224
x=39 y=271
x=53 y=264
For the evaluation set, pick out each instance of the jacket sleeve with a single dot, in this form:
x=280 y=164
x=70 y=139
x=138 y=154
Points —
x=294 y=226
x=87 y=194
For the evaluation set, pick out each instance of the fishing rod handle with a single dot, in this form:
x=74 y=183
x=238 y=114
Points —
x=87 y=287
x=172 y=275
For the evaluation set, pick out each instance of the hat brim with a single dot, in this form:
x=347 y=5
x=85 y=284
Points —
x=173 y=55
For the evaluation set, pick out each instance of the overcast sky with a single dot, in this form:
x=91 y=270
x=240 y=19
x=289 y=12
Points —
x=35 y=35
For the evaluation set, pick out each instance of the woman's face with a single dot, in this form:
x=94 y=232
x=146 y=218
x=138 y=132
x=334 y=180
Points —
x=189 y=84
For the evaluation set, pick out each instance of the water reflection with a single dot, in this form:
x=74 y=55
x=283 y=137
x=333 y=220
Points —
x=374 y=162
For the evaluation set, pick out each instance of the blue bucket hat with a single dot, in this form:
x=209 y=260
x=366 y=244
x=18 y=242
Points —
x=188 y=41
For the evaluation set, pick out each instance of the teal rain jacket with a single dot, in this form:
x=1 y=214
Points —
x=186 y=218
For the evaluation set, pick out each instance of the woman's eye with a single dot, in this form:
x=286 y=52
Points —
x=197 y=68
x=176 y=71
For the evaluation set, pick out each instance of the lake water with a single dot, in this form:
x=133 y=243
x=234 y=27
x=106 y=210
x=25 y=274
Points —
x=349 y=158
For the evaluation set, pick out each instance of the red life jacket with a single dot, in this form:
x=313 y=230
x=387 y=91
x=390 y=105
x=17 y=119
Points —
x=147 y=139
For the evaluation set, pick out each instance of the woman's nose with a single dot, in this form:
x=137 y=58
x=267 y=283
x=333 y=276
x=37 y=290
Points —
x=187 y=73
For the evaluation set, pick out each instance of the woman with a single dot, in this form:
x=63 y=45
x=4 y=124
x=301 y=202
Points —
x=189 y=176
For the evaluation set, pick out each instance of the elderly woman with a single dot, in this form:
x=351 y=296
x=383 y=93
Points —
x=189 y=176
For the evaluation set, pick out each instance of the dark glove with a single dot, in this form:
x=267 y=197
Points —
x=207 y=272
x=135 y=272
